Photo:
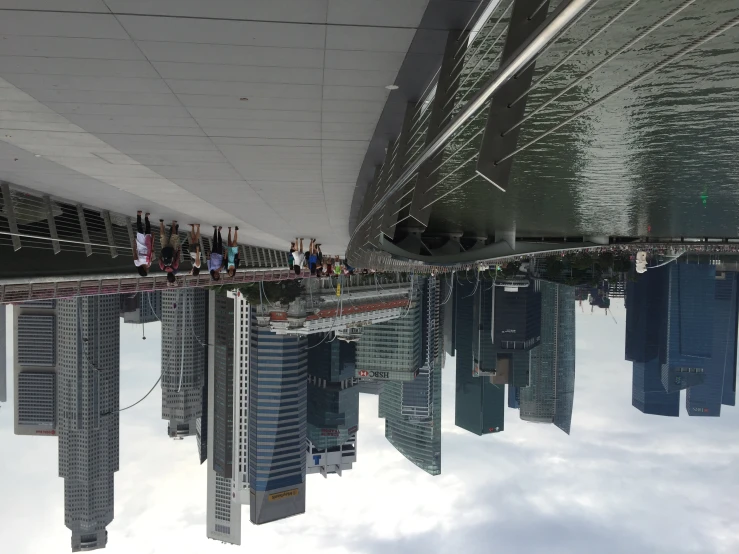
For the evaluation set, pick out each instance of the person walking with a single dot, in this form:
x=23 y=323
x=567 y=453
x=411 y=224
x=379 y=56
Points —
x=194 y=248
x=169 y=258
x=232 y=253
x=312 y=257
x=298 y=257
x=143 y=247
x=215 y=262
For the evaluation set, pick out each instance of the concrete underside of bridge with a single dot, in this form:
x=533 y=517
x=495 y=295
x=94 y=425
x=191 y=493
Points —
x=266 y=114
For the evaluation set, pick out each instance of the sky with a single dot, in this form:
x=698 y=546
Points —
x=621 y=482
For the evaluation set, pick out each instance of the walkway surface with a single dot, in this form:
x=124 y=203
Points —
x=256 y=113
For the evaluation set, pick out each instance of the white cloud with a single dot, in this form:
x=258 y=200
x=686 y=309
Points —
x=623 y=481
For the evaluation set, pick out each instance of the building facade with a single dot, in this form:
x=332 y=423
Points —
x=184 y=313
x=223 y=515
x=34 y=368
x=88 y=377
x=278 y=367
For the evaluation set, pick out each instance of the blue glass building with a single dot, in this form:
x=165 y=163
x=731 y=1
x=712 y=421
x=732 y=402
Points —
x=705 y=400
x=647 y=393
x=278 y=367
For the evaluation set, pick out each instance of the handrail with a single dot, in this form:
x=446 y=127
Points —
x=559 y=19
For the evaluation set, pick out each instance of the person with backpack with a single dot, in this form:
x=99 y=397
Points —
x=143 y=247
x=169 y=257
x=215 y=262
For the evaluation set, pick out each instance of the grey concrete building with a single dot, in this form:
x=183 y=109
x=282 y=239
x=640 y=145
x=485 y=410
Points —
x=87 y=414
x=223 y=516
x=3 y=361
x=34 y=368
x=142 y=307
x=183 y=359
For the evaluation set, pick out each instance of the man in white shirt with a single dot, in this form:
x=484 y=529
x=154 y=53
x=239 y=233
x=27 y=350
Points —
x=143 y=246
x=298 y=257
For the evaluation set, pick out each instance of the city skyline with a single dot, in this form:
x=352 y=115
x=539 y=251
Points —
x=331 y=433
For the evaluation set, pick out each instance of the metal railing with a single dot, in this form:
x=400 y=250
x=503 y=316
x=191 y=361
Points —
x=23 y=290
x=33 y=220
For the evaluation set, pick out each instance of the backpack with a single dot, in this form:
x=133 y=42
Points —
x=167 y=255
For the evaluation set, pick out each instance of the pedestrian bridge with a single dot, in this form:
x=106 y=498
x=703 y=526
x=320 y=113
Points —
x=257 y=113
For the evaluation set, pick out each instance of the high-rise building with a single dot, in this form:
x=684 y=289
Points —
x=3 y=361
x=647 y=393
x=550 y=394
x=706 y=399
x=223 y=515
x=183 y=358
x=412 y=410
x=333 y=407
x=88 y=336
x=223 y=375
x=34 y=368
x=141 y=307
x=478 y=406
x=242 y=326
x=507 y=322
x=690 y=296
x=392 y=350
x=277 y=424
x=646 y=316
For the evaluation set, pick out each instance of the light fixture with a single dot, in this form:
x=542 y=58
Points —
x=392 y=87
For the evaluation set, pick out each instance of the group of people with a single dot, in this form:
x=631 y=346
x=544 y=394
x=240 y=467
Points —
x=221 y=258
x=313 y=260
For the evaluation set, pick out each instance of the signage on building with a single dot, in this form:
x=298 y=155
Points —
x=316 y=459
x=39 y=432
x=352 y=430
x=387 y=375
x=284 y=494
x=329 y=432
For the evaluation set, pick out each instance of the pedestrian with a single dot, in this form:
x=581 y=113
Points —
x=312 y=257
x=169 y=258
x=143 y=246
x=215 y=263
x=290 y=259
x=195 y=248
x=232 y=253
x=337 y=266
x=298 y=257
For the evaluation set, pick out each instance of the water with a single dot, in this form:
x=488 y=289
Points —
x=658 y=157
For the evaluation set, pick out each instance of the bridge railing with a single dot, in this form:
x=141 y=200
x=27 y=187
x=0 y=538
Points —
x=36 y=221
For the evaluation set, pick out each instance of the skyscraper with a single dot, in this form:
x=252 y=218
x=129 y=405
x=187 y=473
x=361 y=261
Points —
x=142 y=307
x=242 y=328
x=412 y=410
x=88 y=337
x=706 y=399
x=392 y=350
x=223 y=375
x=223 y=516
x=35 y=368
x=277 y=424
x=3 y=361
x=333 y=407
x=478 y=406
x=183 y=358
x=647 y=393
x=550 y=394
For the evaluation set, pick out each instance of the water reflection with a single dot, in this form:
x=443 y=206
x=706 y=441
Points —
x=268 y=380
